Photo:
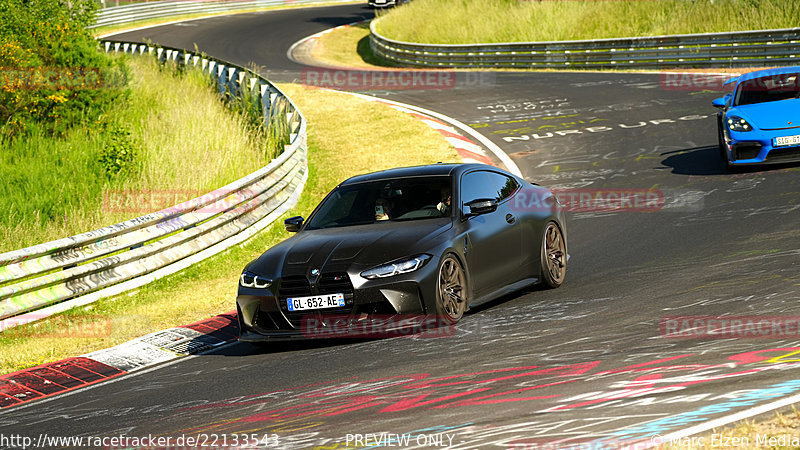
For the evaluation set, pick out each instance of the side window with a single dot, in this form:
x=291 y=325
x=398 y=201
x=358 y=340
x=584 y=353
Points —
x=503 y=186
x=475 y=185
x=482 y=184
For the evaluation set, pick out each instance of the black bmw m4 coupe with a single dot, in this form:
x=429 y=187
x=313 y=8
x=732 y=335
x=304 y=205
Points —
x=396 y=246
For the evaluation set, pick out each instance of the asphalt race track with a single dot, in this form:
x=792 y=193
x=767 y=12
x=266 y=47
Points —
x=588 y=363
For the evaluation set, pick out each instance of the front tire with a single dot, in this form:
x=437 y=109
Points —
x=554 y=256
x=451 y=290
x=723 y=148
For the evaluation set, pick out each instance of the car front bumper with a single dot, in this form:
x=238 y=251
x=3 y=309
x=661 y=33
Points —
x=756 y=147
x=374 y=308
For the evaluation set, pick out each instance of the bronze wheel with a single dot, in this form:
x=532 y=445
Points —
x=554 y=256
x=451 y=289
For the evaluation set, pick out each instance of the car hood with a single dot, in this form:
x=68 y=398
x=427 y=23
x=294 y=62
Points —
x=337 y=249
x=771 y=115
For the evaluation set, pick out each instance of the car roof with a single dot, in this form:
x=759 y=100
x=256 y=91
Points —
x=769 y=72
x=417 y=171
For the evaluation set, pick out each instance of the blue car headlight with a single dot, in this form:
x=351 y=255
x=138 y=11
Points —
x=251 y=280
x=736 y=123
x=398 y=267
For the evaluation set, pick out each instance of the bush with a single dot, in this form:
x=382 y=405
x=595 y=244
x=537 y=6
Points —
x=53 y=75
x=118 y=153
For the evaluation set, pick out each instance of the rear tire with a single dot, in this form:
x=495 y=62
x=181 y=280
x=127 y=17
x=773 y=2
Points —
x=554 y=256
x=451 y=290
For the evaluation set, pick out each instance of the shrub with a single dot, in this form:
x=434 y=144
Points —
x=53 y=75
x=118 y=153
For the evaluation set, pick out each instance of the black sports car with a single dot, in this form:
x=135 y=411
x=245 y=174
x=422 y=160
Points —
x=390 y=246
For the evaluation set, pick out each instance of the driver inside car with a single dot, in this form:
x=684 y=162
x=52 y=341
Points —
x=382 y=209
x=444 y=205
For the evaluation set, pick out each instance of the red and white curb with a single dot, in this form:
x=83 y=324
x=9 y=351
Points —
x=469 y=151
x=56 y=378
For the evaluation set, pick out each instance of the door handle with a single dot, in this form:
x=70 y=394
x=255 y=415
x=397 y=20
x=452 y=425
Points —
x=510 y=218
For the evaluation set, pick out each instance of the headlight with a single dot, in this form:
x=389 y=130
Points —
x=736 y=123
x=251 y=280
x=404 y=265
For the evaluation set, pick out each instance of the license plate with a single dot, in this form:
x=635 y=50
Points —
x=315 y=302
x=786 y=140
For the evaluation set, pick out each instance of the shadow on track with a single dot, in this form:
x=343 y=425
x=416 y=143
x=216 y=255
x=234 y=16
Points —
x=506 y=298
x=249 y=349
x=364 y=14
x=708 y=161
x=695 y=161
x=241 y=349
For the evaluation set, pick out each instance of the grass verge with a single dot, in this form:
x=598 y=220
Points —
x=55 y=186
x=477 y=21
x=347 y=136
x=347 y=47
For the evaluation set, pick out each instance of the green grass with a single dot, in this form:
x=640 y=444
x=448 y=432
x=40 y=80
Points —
x=54 y=187
x=477 y=21
x=347 y=47
x=373 y=137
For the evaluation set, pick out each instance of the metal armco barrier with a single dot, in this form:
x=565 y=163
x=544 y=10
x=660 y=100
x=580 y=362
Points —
x=38 y=281
x=119 y=15
x=736 y=49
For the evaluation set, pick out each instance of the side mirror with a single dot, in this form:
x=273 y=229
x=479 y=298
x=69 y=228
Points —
x=722 y=102
x=481 y=206
x=293 y=224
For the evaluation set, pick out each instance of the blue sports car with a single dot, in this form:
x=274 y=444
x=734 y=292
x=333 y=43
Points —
x=759 y=121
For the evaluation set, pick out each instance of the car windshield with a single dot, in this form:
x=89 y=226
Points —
x=768 y=89
x=390 y=200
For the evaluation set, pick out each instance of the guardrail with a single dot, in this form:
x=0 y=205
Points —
x=118 y=15
x=44 y=279
x=736 y=49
